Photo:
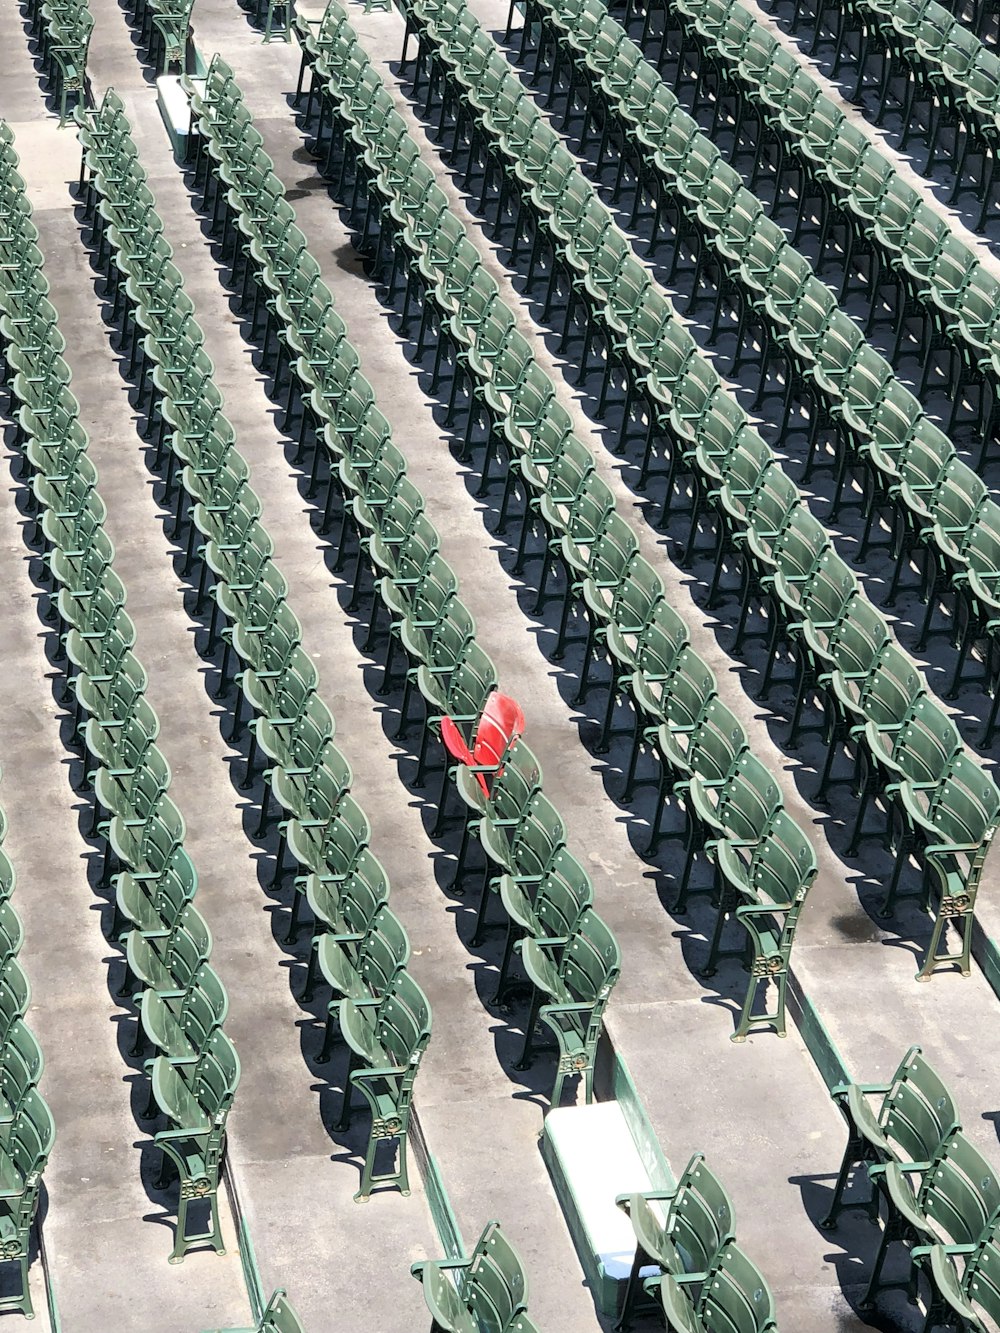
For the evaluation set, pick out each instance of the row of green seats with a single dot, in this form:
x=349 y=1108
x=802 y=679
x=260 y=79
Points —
x=703 y=747
x=383 y=1015
x=484 y=1289
x=688 y=1263
x=954 y=524
x=417 y=587
x=944 y=280
x=63 y=29
x=814 y=596
x=27 y=1130
x=164 y=30
x=980 y=15
x=907 y=1156
x=944 y=64
x=195 y=1073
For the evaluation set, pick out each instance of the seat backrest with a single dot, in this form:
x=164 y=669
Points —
x=349 y=830
x=406 y=538
x=216 y=1075
x=592 y=505
x=279 y=1317
x=125 y=720
x=663 y=639
x=957 y=506
x=776 y=506
x=982 y=1278
x=21 y=1065
x=783 y=866
x=494 y=1287
x=591 y=962
x=700 y=1221
x=403 y=1021
x=815 y=313
x=749 y=800
x=918 y=1113
x=310 y=744
x=32 y=1135
x=829 y=594
x=470 y=683
x=612 y=553
x=173 y=889
x=635 y=604
x=745 y=470
x=691 y=688
x=161 y=835
x=736 y=1297
x=501 y=723
x=204 y=1007
x=926 y=461
x=15 y=995
x=449 y=638
x=926 y=744
x=862 y=638
x=892 y=688
x=431 y=596
x=188 y=945
x=983 y=553
x=349 y=906
x=562 y=895
x=717 y=741
x=961 y=1192
x=11 y=930
x=965 y=812
x=800 y=540
x=513 y=787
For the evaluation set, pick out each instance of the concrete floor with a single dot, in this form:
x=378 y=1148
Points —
x=760 y=1111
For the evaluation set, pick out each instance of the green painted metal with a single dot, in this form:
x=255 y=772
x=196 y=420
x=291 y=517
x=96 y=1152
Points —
x=819 y=1043
x=986 y=952
x=55 y=1323
x=442 y=1213
x=626 y=1094
x=248 y=1257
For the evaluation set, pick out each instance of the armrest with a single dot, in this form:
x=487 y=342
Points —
x=651 y=1196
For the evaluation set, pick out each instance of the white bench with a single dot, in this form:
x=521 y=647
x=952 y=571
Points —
x=593 y=1157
